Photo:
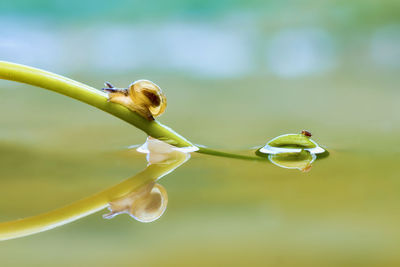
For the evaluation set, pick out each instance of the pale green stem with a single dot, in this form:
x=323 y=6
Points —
x=88 y=95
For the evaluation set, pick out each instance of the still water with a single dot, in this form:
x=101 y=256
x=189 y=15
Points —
x=55 y=151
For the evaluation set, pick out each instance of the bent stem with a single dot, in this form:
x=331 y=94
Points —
x=89 y=95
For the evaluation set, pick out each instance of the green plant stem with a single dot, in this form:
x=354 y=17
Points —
x=91 y=96
x=218 y=153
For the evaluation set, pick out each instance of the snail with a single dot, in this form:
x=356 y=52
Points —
x=143 y=96
x=144 y=205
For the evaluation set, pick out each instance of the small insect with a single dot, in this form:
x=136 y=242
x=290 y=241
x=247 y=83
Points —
x=306 y=133
x=142 y=96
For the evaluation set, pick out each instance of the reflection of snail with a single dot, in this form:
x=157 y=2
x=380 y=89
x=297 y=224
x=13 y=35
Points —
x=142 y=96
x=139 y=196
x=145 y=205
x=148 y=202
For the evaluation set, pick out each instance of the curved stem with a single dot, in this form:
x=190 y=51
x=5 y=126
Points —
x=91 y=96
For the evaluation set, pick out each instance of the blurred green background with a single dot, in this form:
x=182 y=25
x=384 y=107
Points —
x=236 y=74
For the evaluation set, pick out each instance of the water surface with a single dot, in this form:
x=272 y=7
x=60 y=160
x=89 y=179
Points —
x=54 y=151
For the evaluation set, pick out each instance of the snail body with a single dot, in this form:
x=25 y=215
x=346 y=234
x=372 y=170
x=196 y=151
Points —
x=142 y=96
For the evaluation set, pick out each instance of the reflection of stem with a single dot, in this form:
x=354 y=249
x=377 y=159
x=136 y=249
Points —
x=92 y=204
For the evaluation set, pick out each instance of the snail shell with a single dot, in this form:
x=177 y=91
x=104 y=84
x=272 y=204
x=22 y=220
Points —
x=142 y=96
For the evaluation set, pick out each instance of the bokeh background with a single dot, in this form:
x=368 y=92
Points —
x=236 y=74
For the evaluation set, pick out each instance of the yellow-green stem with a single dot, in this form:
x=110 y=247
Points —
x=88 y=95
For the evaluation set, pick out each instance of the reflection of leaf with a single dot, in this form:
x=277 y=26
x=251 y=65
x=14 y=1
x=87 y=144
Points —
x=301 y=161
x=168 y=160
